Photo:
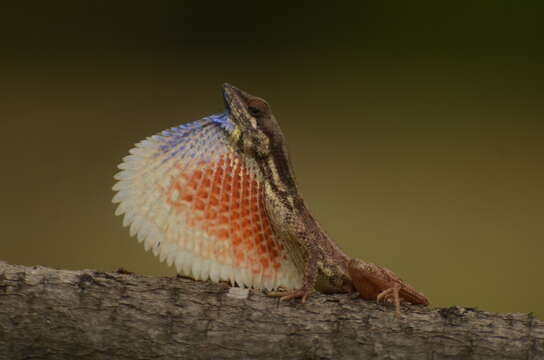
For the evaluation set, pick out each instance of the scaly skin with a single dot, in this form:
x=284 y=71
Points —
x=218 y=197
x=325 y=267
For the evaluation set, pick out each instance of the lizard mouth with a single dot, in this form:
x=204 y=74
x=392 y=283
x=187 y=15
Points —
x=234 y=98
x=229 y=92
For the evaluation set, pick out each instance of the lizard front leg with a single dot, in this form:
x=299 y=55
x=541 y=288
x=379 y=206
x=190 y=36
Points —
x=308 y=281
x=374 y=282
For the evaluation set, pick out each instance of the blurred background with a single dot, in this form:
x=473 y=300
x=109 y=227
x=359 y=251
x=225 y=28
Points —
x=416 y=129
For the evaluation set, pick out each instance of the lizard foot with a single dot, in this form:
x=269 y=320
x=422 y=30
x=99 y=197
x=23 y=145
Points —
x=292 y=294
x=391 y=295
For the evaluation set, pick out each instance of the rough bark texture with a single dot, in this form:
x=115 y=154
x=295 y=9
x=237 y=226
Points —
x=60 y=314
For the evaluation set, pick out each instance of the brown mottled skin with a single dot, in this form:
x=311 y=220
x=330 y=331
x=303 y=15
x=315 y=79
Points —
x=325 y=266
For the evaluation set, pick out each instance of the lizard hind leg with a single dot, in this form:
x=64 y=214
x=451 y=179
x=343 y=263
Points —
x=374 y=282
x=391 y=295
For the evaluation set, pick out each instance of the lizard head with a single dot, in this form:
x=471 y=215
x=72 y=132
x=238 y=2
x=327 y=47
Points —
x=256 y=131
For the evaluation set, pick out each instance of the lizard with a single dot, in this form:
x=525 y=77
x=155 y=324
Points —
x=218 y=199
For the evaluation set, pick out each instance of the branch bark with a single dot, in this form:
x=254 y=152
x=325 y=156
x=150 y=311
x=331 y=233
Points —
x=61 y=314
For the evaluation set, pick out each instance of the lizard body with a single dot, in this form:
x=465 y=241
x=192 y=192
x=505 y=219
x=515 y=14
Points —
x=218 y=198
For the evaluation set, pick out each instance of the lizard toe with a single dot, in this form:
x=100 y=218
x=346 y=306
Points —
x=292 y=294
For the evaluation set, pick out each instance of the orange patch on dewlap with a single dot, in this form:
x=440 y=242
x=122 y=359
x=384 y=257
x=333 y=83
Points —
x=224 y=201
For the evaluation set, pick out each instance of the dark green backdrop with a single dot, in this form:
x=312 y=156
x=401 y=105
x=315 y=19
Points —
x=416 y=129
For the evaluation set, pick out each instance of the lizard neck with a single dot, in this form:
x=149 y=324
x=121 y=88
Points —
x=298 y=230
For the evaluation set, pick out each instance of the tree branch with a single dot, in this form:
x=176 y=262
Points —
x=61 y=314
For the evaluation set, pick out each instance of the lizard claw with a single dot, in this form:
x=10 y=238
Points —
x=292 y=294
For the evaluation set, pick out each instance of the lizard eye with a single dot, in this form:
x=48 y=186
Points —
x=256 y=107
x=254 y=111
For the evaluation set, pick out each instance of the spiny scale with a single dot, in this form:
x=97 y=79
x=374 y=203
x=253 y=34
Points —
x=198 y=204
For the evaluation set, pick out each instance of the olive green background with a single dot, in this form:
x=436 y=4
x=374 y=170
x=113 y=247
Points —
x=415 y=128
